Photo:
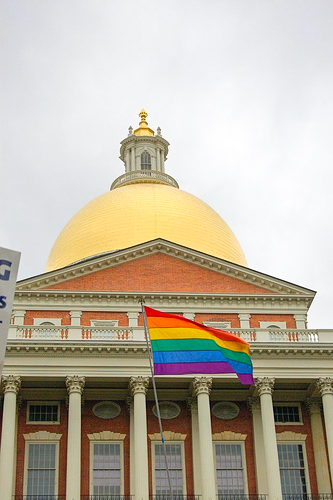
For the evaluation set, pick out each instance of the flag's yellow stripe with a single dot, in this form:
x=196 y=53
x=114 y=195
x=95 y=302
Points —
x=188 y=333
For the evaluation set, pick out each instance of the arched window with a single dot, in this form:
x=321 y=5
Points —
x=145 y=161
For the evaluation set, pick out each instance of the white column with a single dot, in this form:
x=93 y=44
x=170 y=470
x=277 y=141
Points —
x=10 y=386
x=75 y=318
x=139 y=388
x=132 y=160
x=244 y=320
x=133 y=318
x=75 y=385
x=130 y=407
x=189 y=315
x=162 y=160
x=319 y=447
x=158 y=158
x=259 y=452
x=202 y=387
x=325 y=386
x=265 y=388
x=300 y=320
x=193 y=406
x=19 y=317
x=127 y=161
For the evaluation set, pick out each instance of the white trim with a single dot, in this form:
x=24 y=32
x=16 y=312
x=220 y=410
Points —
x=241 y=442
x=45 y=403
x=273 y=324
x=42 y=436
x=91 y=458
x=106 y=436
x=104 y=323
x=168 y=436
x=289 y=404
x=290 y=436
x=50 y=438
x=220 y=325
x=228 y=436
x=182 y=451
x=53 y=321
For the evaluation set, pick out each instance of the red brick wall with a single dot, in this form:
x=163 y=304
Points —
x=24 y=428
x=233 y=318
x=180 y=424
x=288 y=318
x=64 y=315
x=99 y=315
x=161 y=273
x=304 y=429
x=91 y=424
x=242 y=424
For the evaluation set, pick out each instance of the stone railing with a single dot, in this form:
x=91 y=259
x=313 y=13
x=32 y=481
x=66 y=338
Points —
x=144 y=176
x=76 y=333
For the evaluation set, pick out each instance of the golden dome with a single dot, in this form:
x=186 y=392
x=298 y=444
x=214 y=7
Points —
x=136 y=213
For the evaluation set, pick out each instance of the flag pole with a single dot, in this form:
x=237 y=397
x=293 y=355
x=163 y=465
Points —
x=145 y=324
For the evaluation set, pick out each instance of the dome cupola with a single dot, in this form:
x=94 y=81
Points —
x=144 y=154
x=144 y=204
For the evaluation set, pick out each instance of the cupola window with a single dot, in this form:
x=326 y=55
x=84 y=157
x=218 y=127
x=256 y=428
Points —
x=145 y=161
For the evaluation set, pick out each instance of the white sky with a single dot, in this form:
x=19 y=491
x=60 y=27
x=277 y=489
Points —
x=241 y=89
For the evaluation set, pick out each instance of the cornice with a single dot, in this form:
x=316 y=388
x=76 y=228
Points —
x=133 y=139
x=104 y=261
x=116 y=300
x=139 y=349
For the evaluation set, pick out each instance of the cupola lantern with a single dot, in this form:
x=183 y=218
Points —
x=144 y=154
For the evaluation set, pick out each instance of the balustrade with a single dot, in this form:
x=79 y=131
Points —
x=75 y=333
x=142 y=175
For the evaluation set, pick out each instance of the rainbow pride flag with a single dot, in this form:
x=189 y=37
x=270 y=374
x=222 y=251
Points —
x=182 y=346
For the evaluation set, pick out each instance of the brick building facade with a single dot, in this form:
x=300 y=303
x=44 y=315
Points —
x=78 y=413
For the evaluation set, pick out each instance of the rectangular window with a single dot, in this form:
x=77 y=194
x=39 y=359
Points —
x=229 y=469
x=41 y=469
x=43 y=413
x=287 y=414
x=175 y=465
x=106 y=468
x=292 y=469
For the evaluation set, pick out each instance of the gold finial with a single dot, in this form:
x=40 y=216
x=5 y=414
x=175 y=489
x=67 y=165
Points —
x=143 y=125
x=143 y=115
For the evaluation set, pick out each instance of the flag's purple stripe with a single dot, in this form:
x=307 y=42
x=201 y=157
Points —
x=182 y=368
x=246 y=378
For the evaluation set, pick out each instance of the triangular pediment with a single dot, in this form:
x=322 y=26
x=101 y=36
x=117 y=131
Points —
x=160 y=266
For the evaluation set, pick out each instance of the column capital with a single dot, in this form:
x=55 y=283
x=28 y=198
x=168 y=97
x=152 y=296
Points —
x=254 y=404
x=265 y=385
x=139 y=385
x=75 y=383
x=192 y=404
x=325 y=386
x=75 y=314
x=314 y=405
x=10 y=383
x=202 y=385
x=132 y=314
x=244 y=316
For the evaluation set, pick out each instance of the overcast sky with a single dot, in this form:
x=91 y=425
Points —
x=241 y=89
